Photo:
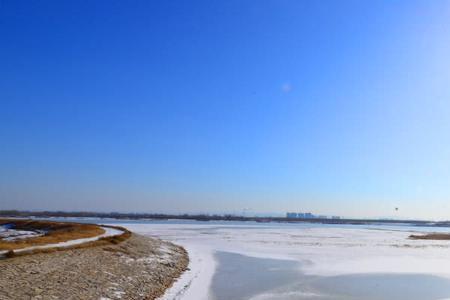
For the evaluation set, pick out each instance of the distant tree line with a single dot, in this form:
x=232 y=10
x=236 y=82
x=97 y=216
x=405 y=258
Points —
x=202 y=217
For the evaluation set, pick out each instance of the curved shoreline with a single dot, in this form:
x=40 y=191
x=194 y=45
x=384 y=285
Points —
x=194 y=283
x=137 y=268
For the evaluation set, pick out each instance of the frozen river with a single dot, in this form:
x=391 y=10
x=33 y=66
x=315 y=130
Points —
x=305 y=261
x=281 y=261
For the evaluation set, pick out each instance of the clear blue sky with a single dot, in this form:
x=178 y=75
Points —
x=335 y=107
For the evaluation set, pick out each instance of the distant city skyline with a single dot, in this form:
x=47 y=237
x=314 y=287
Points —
x=335 y=107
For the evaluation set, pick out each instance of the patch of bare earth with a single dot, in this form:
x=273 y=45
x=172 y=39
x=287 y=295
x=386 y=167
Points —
x=137 y=268
x=431 y=236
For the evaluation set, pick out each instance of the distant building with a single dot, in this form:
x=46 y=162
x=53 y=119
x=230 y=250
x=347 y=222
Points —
x=309 y=216
x=291 y=215
x=300 y=215
x=335 y=217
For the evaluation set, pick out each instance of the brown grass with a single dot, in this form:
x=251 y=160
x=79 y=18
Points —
x=431 y=236
x=56 y=232
x=106 y=241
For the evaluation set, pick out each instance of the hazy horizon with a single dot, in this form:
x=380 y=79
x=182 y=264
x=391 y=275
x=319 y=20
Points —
x=334 y=107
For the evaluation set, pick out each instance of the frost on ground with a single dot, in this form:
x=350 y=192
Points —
x=321 y=250
x=10 y=234
x=14 y=235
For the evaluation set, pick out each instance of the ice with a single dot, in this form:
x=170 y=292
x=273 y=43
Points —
x=321 y=250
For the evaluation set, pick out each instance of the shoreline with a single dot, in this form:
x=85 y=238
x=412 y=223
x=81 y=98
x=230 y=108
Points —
x=194 y=283
x=196 y=247
x=137 y=268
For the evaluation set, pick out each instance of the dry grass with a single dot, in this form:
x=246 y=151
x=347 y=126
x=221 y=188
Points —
x=106 y=241
x=56 y=232
x=431 y=236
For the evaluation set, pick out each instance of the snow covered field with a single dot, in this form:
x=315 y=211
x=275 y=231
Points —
x=321 y=250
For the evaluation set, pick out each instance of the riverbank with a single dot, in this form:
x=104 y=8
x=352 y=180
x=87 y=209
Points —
x=137 y=268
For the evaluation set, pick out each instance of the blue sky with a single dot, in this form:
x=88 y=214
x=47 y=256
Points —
x=335 y=107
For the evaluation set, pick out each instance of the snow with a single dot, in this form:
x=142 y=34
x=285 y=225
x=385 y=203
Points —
x=194 y=283
x=321 y=250
x=13 y=234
